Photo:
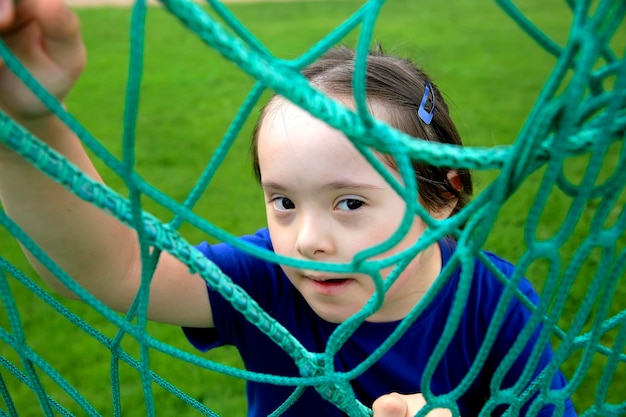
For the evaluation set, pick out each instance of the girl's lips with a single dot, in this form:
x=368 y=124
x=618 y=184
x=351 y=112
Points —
x=327 y=285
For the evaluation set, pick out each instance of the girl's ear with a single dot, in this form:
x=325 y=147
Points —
x=455 y=180
x=446 y=210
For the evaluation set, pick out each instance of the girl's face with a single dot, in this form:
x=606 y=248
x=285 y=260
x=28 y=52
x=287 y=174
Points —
x=325 y=202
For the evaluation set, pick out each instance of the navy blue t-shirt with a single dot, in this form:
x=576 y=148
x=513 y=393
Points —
x=398 y=370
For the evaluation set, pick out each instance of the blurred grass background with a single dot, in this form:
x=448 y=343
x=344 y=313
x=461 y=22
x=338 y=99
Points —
x=489 y=69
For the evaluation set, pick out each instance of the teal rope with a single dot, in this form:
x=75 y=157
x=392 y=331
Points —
x=6 y=396
x=557 y=128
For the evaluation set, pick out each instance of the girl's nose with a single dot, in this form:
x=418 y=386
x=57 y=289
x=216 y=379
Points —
x=314 y=238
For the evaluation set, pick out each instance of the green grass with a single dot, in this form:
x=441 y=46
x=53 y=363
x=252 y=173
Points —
x=491 y=72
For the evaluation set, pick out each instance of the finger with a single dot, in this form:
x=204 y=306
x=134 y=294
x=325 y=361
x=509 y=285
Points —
x=7 y=13
x=390 y=405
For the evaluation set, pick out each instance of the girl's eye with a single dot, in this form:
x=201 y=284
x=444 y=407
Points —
x=350 y=204
x=283 y=204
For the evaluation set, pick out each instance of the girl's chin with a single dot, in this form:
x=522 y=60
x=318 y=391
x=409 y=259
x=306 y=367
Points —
x=334 y=317
x=335 y=312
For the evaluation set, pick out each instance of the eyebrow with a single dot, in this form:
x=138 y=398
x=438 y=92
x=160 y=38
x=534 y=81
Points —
x=331 y=186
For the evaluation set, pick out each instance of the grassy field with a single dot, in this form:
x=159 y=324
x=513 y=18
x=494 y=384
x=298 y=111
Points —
x=490 y=70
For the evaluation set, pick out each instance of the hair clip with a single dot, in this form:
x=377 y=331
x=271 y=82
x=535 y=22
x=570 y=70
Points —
x=427 y=116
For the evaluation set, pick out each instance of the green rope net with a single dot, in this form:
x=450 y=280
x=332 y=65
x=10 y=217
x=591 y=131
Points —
x=580 y=111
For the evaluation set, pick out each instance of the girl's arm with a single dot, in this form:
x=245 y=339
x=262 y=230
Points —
x=91 y=246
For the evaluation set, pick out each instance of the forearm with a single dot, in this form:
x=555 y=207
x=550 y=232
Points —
x=91 y=246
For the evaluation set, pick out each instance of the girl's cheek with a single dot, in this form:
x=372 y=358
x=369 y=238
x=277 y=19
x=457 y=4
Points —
x=280 y=242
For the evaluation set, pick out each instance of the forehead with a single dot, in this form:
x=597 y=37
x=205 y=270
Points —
x=288 y=128
x=378 y=107
x=281 y=113
x=293 y=144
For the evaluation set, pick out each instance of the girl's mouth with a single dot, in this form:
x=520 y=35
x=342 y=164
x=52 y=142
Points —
x=329 y=286
x=325 y=280
x=334 y=280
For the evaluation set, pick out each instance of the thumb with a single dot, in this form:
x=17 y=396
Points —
x=392 y=405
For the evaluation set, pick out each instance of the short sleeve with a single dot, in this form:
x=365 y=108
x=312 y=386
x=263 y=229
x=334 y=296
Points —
x=247 y=271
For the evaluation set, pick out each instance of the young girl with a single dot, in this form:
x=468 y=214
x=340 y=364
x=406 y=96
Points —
x=324 y=202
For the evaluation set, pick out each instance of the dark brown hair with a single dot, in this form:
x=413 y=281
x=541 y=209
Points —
x=397 y=85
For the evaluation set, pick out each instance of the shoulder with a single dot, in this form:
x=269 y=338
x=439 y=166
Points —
x=491 y=274
x=240 y=253
x=243 y=260
x=499 y=273
x=237 y=245
x=488 y=278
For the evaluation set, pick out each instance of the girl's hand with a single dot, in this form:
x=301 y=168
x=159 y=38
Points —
x=397 y=405
x=45 y=36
